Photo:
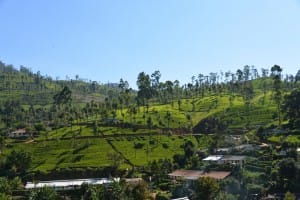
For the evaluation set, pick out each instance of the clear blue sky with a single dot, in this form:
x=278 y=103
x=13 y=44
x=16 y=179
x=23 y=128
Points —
x=105 y=40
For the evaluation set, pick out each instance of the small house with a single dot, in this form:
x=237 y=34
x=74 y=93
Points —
x=19 y=133
x=234 y=160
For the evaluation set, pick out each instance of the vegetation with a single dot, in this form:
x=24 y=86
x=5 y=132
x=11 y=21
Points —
x=79 y=128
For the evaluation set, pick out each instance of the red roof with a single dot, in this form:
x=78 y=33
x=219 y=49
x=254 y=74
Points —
x=195 y=174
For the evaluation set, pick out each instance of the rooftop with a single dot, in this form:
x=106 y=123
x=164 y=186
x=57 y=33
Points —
x=66 y=183
x=187 y=174
x=195 y=174
x=216 y=174
x=230 y=157
x=19 y=131
x=213 y=158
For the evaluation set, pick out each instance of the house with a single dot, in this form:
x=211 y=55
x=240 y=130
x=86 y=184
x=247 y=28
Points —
x=245 y=147
x=192 y=175
x=234 y=160
x=19 y=133
x=224 y=159
x=182 y=174
x=230 y=139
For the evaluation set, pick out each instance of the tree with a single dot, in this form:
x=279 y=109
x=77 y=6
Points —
x=206 y=188
x=137 y=191
x=19 y=160
x=2 y=143
x=149 y=123
x=277 y=96
x=168 y=116
x=288 y=174
x=155 y=77
x=291 y=107
x=44 y=193
x=239 y=75
x=188 y=148
x=63 y=97
x=297 y=76
x=4 y=186
x=144 y=85
x=248 y=96
x=246 y=72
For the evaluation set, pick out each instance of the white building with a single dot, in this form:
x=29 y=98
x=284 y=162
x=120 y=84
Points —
x=19 y=133
x=67 y=184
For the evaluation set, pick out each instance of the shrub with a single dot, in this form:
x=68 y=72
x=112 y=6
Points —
x=165 y=145
x=152 y=142
x=138 y=145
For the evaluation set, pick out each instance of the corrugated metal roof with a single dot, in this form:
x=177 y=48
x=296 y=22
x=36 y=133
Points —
x=66 y=183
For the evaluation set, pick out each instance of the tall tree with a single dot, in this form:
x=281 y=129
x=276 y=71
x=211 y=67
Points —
x=155 y=78
x=277 y=95
x=144 y=85
x=248 y=94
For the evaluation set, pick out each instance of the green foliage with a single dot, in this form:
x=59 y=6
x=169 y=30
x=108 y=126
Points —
x=161 y=196
x=206 y=188
x=5 y=187
x=291 y=108
x=63 y=97
x=138 y=145
x=288 y=169
x=137 y=191
x=44 y=193
x=226 y=196
x=289 y=196
x=19 y=160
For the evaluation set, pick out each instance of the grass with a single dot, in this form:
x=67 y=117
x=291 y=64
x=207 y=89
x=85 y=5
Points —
x=293 y=139
x=82 y=153
x=150 y=151
x=49 y=155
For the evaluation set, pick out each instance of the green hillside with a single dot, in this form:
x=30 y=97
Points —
x=83 y=129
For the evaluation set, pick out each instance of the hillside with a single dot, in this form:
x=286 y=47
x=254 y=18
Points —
x=79 y=129
x=36 y=89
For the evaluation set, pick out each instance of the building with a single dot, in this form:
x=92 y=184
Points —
x=67 y=184
x=182 y=198
x=192 y=175
x=19 y=133
x=226 y=159
x=245 y=147
x=234 y=160
x=224 y=150
x=213 y=159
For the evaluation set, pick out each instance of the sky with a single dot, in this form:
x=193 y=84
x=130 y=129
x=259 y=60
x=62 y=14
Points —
x=105 y=40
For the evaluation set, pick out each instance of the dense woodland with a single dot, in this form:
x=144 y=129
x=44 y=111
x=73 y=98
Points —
x=80 y=128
